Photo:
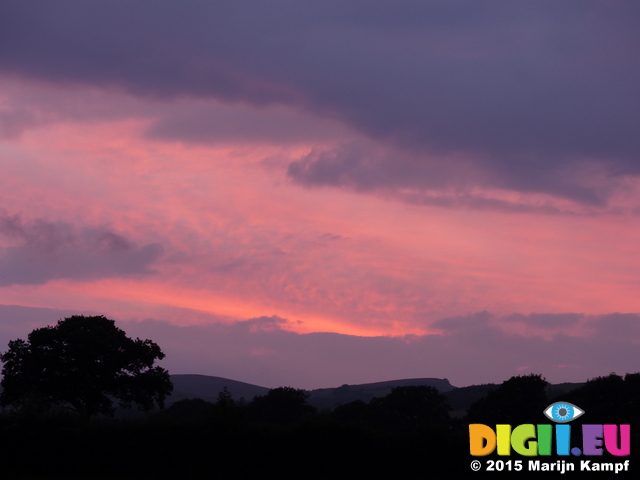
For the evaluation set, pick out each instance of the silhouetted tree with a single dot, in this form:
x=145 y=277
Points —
x=520 y=399
x=281 y=405
x=413 y=405
x=355 y=411
x=189 y=409
x=83 y=363
x=610 y=399
x=225 y=399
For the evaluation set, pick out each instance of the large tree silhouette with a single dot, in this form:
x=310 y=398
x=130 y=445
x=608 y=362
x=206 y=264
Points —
x=520 y=399
x=83 y=363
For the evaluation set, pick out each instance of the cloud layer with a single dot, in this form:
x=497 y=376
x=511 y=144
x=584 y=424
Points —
x=45 y=251
x=358 y=168
x=530 y=94
x=471 y=349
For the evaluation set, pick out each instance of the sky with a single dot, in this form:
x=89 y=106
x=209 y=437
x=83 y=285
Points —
x=326 y=192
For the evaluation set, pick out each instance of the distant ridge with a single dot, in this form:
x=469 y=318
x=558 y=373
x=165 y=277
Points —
x=330 y=397
x=208 y=387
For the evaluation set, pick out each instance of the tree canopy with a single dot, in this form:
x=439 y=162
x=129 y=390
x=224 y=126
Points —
x=609 y=399
x=521 y=399
x=281 y=405
x=83 y=363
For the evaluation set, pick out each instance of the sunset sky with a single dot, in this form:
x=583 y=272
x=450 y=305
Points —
x=315 y=193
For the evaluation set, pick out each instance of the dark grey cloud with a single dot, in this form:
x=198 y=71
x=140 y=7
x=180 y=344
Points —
x=13 y=121
x=478 y=320
x=225 y=124
x=535 y=94
x=16 y=321
x=548 y=320
x=42 y=250
x=367 y=167
x=26 y=105
x=472 y=349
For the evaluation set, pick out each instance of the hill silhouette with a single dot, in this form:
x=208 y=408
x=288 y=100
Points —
x=331 y=397
x=208 y=387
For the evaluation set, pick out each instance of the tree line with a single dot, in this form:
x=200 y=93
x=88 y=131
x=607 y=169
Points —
x=61 y=387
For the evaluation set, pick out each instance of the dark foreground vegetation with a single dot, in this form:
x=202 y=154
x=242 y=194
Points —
x=406 y=435
x=61 y=385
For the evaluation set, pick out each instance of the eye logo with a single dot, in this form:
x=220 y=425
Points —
x=563 y=412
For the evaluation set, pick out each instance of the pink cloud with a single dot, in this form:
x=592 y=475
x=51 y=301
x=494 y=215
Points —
x=117 y=221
